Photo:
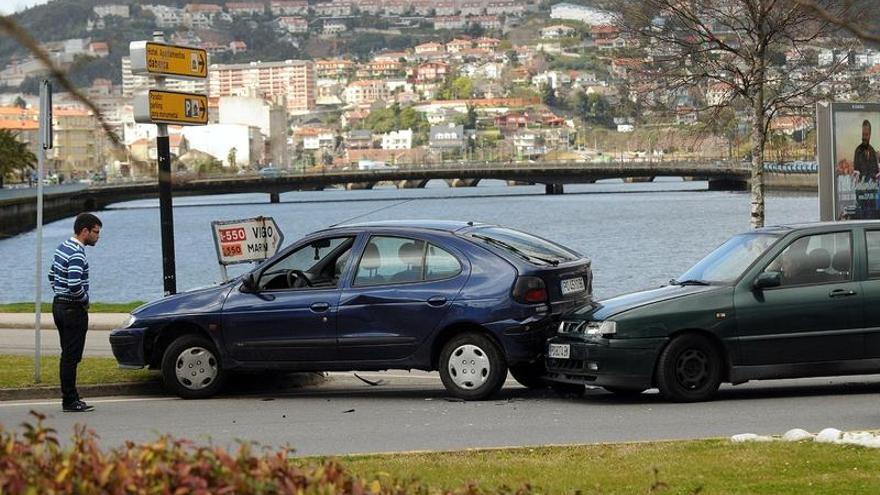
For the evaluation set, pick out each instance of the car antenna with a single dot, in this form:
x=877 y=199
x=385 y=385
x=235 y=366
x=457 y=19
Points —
x=370 y=213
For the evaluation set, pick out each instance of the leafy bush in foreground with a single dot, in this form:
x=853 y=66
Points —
x=36 y=463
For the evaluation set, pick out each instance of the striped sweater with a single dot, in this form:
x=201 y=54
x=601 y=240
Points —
x=69 y=274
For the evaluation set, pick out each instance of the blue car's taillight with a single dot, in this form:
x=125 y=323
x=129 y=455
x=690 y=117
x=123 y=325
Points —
x=530 y=290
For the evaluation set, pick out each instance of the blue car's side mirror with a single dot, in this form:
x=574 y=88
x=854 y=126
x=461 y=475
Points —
x=249 y=283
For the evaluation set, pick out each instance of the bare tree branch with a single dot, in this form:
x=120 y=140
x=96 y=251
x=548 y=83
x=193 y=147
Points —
x=839 y=20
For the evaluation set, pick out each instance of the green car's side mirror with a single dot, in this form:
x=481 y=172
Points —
x=767 y=280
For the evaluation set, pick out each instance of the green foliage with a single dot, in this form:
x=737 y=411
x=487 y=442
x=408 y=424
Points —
x=18 y=372
x=469 y=119
x=15 y=157
x=36 y=462
x=593 y=108
x=392 y=118
x=460 y=88
x=95 y=307
x=548 y=95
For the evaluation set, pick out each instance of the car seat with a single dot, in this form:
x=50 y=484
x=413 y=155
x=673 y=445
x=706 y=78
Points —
x=410 y=255
x=842 y=264
x=816 y=268
x=371 y=261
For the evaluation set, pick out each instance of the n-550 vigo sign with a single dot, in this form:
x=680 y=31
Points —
x=159 y=59
x=241 y=241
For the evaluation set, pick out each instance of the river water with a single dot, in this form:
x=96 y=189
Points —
x=638 y=235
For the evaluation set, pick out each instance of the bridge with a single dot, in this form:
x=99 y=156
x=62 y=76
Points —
x=18 y=214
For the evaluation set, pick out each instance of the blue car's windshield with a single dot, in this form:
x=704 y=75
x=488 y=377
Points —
x=727 y=262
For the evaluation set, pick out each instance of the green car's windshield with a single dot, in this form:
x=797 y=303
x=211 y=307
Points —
x=727 y=262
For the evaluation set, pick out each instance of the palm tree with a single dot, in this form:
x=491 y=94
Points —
x=14 y=155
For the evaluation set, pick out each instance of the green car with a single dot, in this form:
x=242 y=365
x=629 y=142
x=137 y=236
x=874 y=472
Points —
x=779 y=302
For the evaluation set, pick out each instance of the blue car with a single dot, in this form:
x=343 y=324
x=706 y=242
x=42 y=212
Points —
x=470 y=300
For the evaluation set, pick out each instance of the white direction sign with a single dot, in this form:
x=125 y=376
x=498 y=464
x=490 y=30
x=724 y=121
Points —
x=242 y=241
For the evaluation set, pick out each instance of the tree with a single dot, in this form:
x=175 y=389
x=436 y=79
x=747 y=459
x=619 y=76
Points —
x=593 y=108
x=19 y=103
x=732 y=43
x=15 y=157
x=548 y=95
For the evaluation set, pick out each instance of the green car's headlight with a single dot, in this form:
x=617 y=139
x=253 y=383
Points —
x=606 y=327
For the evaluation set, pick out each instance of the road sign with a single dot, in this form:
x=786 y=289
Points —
x=170 y=107
x=161 y=60
x=251 y=239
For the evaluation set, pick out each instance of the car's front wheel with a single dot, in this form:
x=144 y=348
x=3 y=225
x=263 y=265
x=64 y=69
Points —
x=689 y=369
x=191 y=367
x=472 y=367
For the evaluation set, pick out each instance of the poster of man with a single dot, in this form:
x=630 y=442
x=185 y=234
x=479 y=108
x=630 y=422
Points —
x=856 y=132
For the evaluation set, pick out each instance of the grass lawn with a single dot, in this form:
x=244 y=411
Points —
x=704 y=466
x=18 y=372
x=98 y=307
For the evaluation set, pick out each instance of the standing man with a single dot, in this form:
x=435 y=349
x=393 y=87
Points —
x=69 y=276
x=865 y=159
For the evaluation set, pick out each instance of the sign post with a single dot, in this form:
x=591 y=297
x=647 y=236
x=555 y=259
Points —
x=44 y=144
x=160 y=107
x=243 y=241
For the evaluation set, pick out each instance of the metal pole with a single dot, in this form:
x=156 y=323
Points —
x=44 y=143
x=166 y=214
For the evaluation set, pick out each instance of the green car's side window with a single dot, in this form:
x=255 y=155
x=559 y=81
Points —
x=872 y=241
x=815 y=259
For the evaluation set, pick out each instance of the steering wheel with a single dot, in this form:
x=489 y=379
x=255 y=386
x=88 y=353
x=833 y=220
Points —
x=294 y=275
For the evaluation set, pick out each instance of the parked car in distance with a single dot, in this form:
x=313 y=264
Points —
x=778 y=302
x=470 y=300
x=271 y=172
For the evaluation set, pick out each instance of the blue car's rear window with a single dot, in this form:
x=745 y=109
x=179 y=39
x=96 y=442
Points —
x=534 y=248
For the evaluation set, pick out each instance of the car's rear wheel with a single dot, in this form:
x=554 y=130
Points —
x=191 y=367
x=472 y=366
x=530 y=375
x=625 y=391
x=689 y=369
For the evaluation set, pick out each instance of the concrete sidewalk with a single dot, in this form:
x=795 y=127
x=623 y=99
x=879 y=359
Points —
x=25 y=321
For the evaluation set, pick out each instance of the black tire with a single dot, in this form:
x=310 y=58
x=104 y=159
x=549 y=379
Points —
x=625 y=392
x=689 y=369
x=568 y=389
x=530 y=375
x=482 y=361
x=199 y=356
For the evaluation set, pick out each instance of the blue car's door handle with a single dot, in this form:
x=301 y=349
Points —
x=319 y=307
x=437 y=301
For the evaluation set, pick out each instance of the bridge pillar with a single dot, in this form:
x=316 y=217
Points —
x=462 y=182
x=727 y=184
x=274 y=197
x=554 y=189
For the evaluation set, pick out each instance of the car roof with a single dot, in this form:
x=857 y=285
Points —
x=441 y=225
x=785 y=228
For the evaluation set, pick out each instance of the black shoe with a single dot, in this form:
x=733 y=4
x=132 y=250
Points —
x=77 y=406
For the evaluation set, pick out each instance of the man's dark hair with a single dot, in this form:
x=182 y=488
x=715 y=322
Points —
x=866 y=124
x=85 y=221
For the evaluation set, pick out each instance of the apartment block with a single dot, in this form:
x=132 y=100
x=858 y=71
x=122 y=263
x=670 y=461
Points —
x=292 y=79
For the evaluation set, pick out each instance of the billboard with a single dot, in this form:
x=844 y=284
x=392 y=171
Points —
x=848 y=165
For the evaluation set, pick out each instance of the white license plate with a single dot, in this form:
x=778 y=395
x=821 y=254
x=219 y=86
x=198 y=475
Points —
x=572 y=285
x=559 y=351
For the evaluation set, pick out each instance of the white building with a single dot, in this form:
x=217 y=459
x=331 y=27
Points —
x=587 y=15
x=269 y=118
x=322 y=140
x=398 y=140
x=166 y=17
x=552 y=78
x=334 y=27
x=218 y=140
x=114 y=10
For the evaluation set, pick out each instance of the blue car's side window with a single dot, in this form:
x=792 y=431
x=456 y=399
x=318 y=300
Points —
x=440 y=264
x=391 y=260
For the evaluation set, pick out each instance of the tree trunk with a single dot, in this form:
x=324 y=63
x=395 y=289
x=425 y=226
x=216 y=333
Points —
x=757 y=211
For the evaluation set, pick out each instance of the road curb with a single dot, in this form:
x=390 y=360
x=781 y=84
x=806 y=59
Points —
x=238 y=386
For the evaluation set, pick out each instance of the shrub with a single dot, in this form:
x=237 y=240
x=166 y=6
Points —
x=35 y=462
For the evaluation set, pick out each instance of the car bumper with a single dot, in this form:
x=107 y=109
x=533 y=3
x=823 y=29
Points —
x=524 y=341
x=128 y=347
x=627 y=363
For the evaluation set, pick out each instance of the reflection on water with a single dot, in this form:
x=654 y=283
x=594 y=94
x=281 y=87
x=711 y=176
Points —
x=638 y=235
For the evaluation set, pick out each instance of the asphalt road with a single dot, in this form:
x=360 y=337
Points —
x=412 y=412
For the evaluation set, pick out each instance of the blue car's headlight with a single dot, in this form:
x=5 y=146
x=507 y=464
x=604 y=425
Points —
x=129 y=322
